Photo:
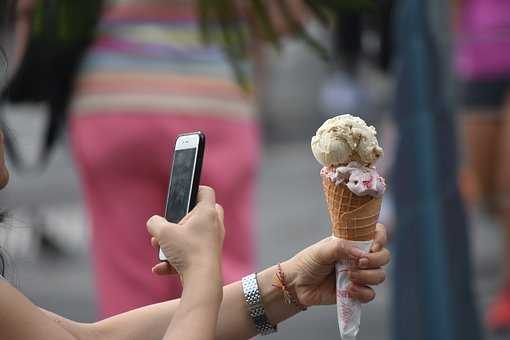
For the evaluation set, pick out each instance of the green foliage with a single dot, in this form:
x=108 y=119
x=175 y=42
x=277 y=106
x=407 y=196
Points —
x=234 y=39
x=220 y=22
x=65 y=21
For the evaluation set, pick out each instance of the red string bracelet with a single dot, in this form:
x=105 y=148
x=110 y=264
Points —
x=279 y=281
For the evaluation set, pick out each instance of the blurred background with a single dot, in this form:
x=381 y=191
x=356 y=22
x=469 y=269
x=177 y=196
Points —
x=414 y=69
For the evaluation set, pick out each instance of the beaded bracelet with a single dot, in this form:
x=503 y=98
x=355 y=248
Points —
x=279 y=281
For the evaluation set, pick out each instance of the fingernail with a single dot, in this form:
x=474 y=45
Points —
x=375 y=247
x=352 y=275
x=352 y=291
x=363 y=263
x=357 y=252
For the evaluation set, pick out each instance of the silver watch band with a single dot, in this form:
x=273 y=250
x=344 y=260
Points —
x=256 y=309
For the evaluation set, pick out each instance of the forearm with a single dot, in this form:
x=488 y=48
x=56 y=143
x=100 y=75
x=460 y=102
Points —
x=20 y=319
x=199 y=306
x=79 y=330
x=234 y=323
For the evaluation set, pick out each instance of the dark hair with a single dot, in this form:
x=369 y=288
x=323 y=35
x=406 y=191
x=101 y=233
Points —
x=7 y=11
x=61 y=33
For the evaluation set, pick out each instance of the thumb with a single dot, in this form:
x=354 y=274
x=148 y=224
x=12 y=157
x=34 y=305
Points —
x=157 y=225
x=221 y=213
x=332 y=250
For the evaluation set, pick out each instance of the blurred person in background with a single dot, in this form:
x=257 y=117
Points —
x=483 y=67
x=146 y=78
x=358 y=68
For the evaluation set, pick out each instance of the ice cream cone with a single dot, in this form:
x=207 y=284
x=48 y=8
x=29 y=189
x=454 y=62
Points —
x=352 y=217
x=347 y=148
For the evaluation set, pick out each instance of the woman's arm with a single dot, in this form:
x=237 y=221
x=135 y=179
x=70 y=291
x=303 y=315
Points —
x=310 y=274
x=193 y=249
x=234 y=320
x=151 y=322
x=234 y=323
x=20 y=319
x=197 y=314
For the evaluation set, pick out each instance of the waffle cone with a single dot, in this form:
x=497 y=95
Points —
x=352 y=217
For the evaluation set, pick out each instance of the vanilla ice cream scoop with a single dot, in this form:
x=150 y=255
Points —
x=343 y=139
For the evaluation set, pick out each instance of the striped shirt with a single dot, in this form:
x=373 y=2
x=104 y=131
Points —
x=149 y=58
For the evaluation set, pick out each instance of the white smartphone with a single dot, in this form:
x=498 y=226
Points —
x=184 y=177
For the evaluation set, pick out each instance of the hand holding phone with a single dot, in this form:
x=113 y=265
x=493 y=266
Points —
x=184 y=177
x=194 y=245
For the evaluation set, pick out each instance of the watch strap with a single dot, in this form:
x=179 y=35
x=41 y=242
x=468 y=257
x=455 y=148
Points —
x=256 y=309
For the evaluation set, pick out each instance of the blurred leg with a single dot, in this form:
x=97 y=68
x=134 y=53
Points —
x=499 y=310
x=503 y=182
x=123 y=165
x=480 y=130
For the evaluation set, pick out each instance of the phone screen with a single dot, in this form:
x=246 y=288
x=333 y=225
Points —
x=180 y=184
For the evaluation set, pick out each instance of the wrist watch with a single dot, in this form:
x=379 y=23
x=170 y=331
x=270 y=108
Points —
x=256 y=309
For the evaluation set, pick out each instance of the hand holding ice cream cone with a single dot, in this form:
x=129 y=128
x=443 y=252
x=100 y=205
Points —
x=309 y=271
x=347 y=148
